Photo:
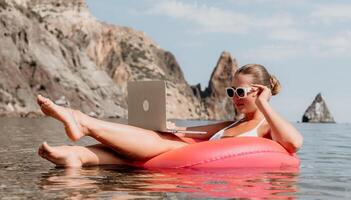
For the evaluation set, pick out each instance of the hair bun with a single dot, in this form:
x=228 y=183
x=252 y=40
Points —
x=275 y=85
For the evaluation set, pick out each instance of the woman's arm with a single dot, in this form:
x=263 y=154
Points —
x=281 y=130
x=211 y=129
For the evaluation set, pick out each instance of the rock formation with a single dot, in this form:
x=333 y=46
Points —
x=56 y=48
x=214 y=98
x=318 y=112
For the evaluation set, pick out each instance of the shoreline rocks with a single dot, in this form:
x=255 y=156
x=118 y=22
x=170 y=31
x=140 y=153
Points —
x=58 y=49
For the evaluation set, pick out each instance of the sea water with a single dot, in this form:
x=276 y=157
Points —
x=325 y=171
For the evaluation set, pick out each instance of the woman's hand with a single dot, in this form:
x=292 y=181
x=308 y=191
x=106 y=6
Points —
x=280 y=129
x=264 y=94
x=171 y=125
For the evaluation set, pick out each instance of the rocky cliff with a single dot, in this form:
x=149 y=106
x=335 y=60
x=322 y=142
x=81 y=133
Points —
x=214 y=98
x=56 y=48
x=318 y=112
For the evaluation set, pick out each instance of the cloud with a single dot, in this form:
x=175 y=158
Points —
x=293 y=33
x=217 y=20
x=338 y=45
x=275 y=21
x=210 y=19
x=273 y=52
x=269 y=2
x=332 y=11
x=288 y=34
x=335 y=46
x=282 y=27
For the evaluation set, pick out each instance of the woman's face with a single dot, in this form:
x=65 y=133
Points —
x=246 y=104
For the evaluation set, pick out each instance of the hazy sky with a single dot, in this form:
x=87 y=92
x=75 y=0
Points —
x=305 y=44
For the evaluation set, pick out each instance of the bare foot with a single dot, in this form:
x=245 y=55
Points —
x=67 y=116
x=62 y=156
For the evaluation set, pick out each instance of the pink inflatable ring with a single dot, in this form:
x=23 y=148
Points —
x=240 y=152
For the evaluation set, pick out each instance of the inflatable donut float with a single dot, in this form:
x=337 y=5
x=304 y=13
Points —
x=240 y=152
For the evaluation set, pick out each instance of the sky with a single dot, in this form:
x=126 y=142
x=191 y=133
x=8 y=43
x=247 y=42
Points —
x=305 y=44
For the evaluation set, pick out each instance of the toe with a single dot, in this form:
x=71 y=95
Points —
x=40 y=151
x=46 y=147
x=46 y=103
x=40 y=100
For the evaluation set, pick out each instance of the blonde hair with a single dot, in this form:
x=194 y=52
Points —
x=260 y=76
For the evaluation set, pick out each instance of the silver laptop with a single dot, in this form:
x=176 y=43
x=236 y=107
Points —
x=147 y=106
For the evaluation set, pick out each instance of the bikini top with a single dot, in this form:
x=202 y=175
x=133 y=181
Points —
x=250 y=133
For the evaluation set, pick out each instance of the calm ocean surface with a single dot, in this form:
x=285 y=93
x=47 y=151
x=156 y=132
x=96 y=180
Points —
x=325 y=170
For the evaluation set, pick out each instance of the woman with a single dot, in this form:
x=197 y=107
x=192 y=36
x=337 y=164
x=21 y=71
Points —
x=252 y=88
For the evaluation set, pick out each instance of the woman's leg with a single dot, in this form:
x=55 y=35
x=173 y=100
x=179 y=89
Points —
x=78 y=156
x=132 y=142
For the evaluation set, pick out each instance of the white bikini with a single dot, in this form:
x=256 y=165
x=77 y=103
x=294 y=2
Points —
x=251 y=133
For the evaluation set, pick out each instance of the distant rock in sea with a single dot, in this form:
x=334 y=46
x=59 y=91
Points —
x=318 y=112
x=58 y=49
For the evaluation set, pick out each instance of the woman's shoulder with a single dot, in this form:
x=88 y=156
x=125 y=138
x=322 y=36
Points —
x=264 y=129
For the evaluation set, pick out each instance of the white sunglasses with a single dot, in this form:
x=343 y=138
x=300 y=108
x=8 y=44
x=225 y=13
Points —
x=240 y=92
